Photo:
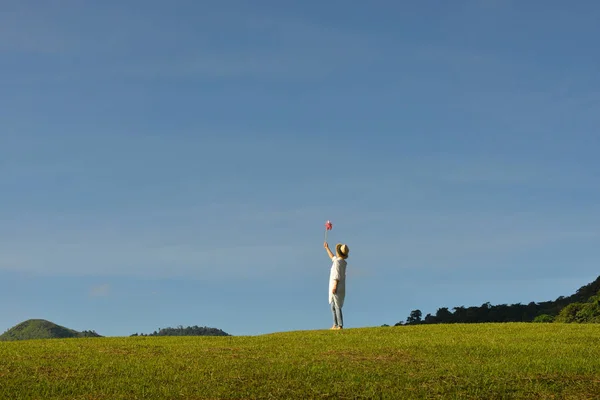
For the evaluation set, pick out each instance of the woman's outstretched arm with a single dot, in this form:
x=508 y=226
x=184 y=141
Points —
x=328 y=251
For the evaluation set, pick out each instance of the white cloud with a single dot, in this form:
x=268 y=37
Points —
x=100 y=290
x=257 y=251
x=428 y=221
x=301 y=51
x=32 y=28
x=501 y=172
x=249 y=45
x=76 y=254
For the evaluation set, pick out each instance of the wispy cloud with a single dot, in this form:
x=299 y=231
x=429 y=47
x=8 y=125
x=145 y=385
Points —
x=515 y=172
x=275 y=48
x=100 y=290
x=248 y=45
x=130 y=257
x=32 y=29
x=257 y=251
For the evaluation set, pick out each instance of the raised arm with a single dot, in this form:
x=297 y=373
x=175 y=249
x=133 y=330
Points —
x=328 y=251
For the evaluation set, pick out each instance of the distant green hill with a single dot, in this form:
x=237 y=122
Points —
x=42 y=329
x=188 y=331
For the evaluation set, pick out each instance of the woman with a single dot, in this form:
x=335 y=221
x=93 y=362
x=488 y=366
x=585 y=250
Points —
x=337 y=282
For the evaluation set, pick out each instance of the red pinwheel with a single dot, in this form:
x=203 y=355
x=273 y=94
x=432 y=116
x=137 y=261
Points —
x=328 y=227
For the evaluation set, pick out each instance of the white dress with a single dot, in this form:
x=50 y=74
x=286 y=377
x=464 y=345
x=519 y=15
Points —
x=338 y=272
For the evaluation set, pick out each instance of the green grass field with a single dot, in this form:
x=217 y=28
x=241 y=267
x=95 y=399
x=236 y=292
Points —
x=484 y=361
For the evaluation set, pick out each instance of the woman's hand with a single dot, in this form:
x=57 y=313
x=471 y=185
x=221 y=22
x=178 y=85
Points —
x=325 y=245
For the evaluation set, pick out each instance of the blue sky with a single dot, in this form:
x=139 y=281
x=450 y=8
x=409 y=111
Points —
x=173 y=163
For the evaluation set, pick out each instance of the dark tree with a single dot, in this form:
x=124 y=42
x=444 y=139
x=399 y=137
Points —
x=429 y=319
x=443 y=315
x=414 y=317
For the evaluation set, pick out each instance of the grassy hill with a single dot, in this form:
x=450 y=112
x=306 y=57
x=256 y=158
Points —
x=466 y=361
x=42 y=329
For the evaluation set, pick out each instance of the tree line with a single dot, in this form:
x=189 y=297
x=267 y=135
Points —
x=583 y=306
x=187 y=331
x=91 y=333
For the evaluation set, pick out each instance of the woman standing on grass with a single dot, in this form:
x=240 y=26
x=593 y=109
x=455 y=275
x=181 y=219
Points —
x=337 y=282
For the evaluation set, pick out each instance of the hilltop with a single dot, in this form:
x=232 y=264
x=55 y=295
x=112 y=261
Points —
x=42 y=329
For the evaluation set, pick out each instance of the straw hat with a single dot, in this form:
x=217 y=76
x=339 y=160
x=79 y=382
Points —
x=342 y=250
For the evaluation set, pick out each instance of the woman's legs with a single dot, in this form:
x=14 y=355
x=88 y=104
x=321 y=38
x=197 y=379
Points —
x=335 y=322
x=338 y=318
